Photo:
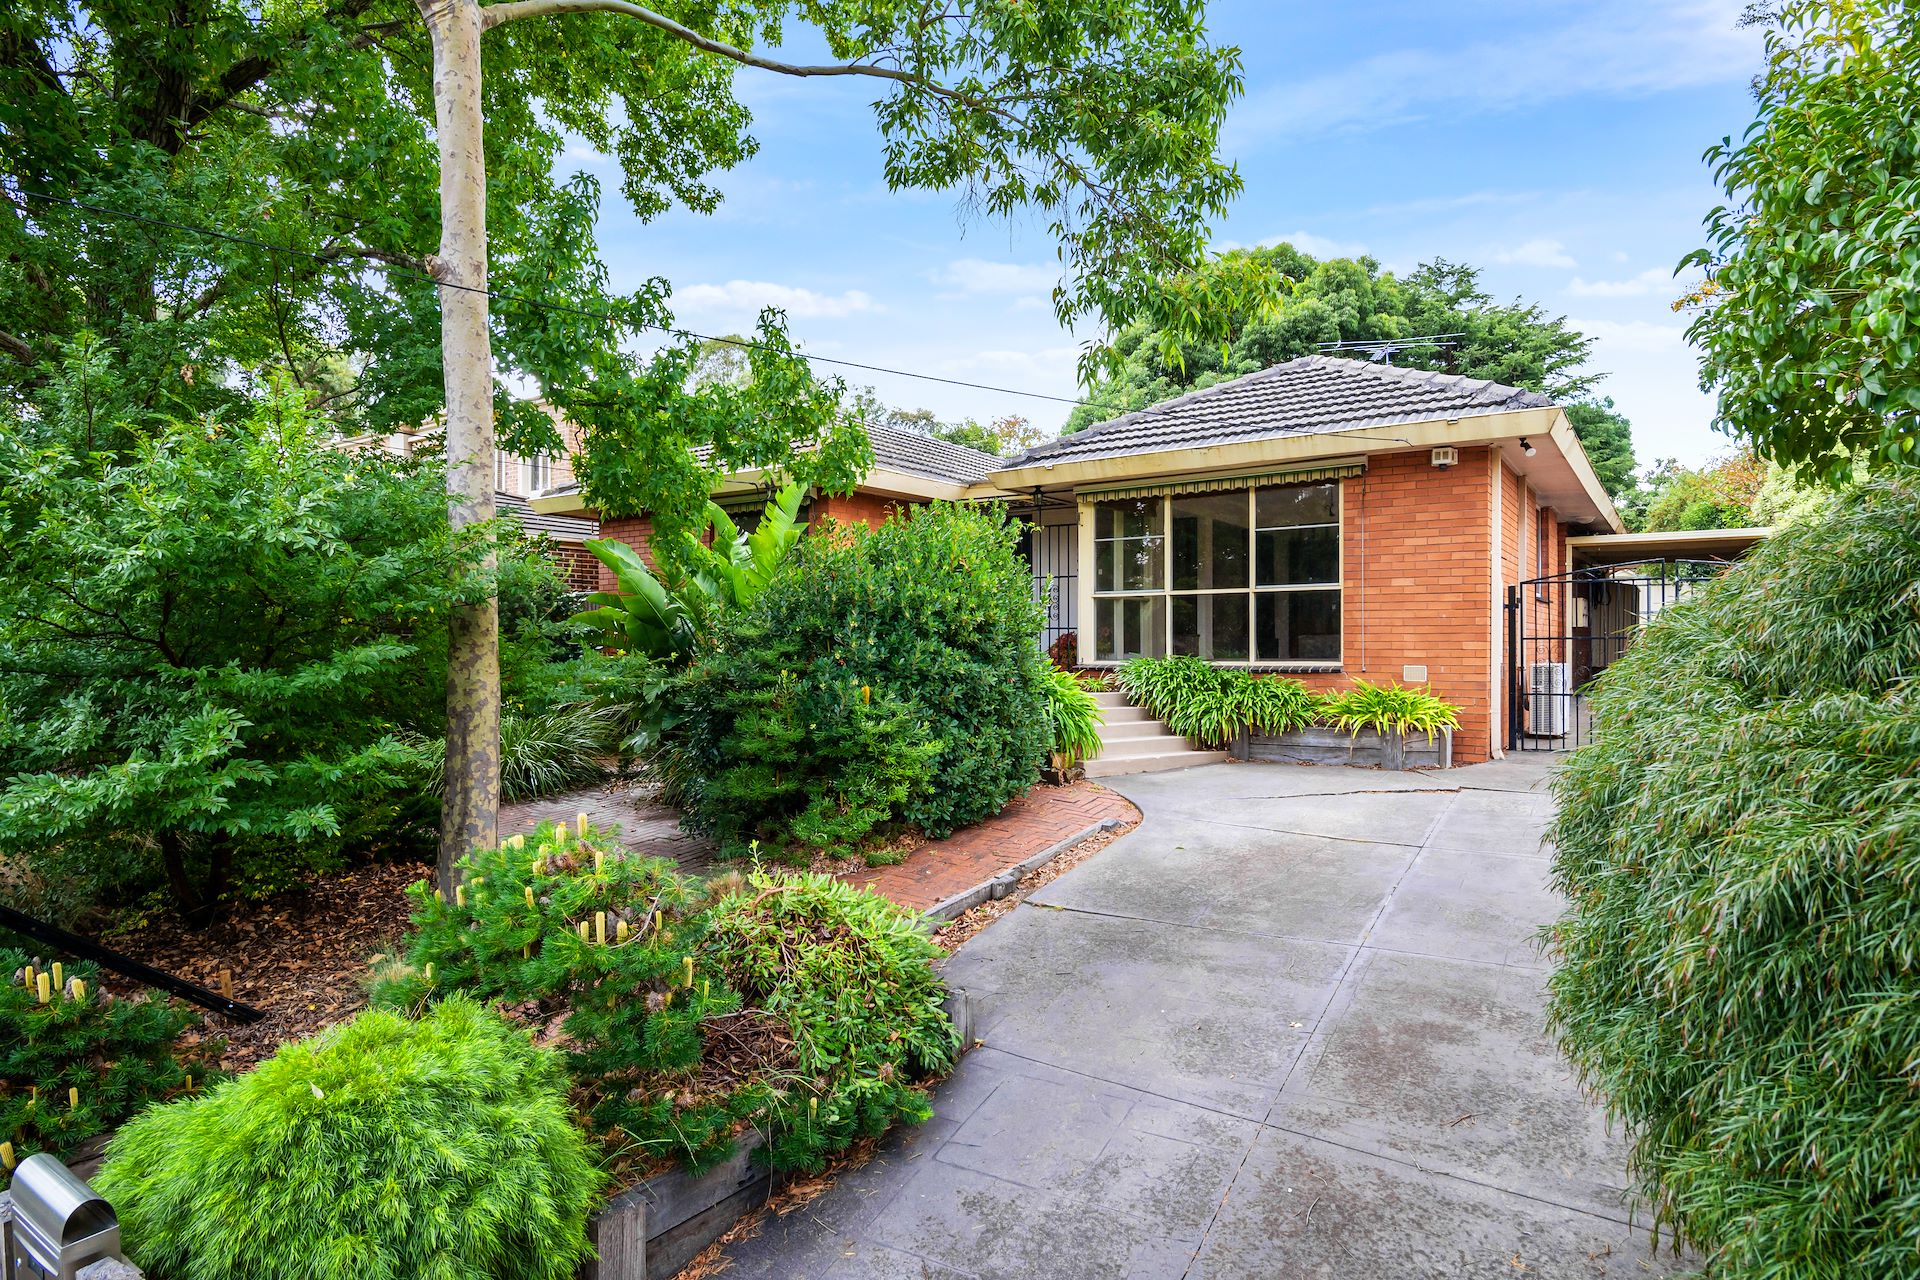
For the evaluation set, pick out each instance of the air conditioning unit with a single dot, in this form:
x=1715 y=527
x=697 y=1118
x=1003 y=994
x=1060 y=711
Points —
x=1549 y=699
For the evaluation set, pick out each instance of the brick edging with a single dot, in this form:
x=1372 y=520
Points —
x=1001 y=885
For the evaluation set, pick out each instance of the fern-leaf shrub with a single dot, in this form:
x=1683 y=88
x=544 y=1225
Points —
x=884 y=678
x=1388 y=708
x=642 y=972
x=852 y=975
x=116 y=1055
x=385 y=1148
x=1073 y=717
x=1740 y=851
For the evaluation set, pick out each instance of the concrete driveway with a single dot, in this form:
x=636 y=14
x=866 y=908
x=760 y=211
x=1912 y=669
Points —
x=1291 y=1026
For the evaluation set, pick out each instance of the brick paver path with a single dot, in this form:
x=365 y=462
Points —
x=1038 y=820
x=647 y=827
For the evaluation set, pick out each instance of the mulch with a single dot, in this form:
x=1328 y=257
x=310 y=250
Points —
x=302 y=957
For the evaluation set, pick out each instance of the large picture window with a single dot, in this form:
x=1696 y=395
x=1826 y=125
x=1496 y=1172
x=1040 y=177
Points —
x=1248 y=576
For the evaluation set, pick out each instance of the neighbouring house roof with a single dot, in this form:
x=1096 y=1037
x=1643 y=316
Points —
x=898 y=450
x=559 y=528
x=1311 y=395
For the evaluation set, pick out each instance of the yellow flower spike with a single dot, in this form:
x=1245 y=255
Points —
x=44 y=986
x=529 y=892
x=189 y=1082
x=526 y=951
x=599 y=861
x=6 y=1156
x=429 y=971
x=706 y=988
x=580 y=823
x=621 y=931
x=689 y=981
x=866 y=694
x=459 y=895
x=600 y=927
x=813 y=1108
x=79 y=991
x=73 y=1097
x=584 y=934
x=59 y=975
x=668 y=1001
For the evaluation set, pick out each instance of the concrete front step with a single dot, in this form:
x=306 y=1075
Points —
x=1108 y=766
x=1128 y=747
x=1132 y=730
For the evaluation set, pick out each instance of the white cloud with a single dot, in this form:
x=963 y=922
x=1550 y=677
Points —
x=747 y=297
x=1628 y=49
x=978 y=275
x=1534 y=253
x=1652 y=280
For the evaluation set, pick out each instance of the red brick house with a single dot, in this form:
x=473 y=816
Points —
x=1327 y=518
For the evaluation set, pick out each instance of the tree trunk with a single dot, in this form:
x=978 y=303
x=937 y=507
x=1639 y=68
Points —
x=471 y=811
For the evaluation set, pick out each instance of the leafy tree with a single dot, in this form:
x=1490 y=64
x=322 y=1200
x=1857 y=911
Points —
x=218 y=646
x=1354 y=300
x=1718 y=496
x=327 y=130
x=1806 y=320
x=1006 y=435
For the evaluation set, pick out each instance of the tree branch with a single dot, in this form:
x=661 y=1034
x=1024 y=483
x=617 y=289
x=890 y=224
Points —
x=492 y=15
x=18 y=348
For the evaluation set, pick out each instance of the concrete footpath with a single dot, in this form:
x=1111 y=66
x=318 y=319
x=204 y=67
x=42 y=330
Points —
x=1289 y=1027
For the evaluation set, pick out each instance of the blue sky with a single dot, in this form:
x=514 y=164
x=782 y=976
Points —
x=1556 y=145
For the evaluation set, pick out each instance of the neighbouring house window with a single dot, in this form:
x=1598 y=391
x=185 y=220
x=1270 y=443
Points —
x=505 y=466
x=1247 y=576
x=539 y=473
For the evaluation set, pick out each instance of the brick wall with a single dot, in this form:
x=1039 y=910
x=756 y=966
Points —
x=1418 y=575
x=636 y=532
x=854 y=508
x=578 y=567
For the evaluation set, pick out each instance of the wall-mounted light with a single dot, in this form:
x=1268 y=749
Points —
x=1526 y=447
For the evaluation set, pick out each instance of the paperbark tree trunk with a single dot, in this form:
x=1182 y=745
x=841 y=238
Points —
x=471 y=811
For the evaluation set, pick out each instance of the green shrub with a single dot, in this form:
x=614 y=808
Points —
x=1073 y=717
x=1740 y=850
x=383 y=1149
x=841 y=1018
x=620 y=993
x=118 y=1054
x=882 y=678
x=852 y=975
x=1389 y=708
x=1214 y=704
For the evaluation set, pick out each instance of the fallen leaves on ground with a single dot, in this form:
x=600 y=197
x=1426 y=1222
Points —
x=301 y=957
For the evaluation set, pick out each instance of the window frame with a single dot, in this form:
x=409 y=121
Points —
x=1168 y=594
x=1542 y=521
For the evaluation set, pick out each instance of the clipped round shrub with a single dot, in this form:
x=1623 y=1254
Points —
x=884 y=677
x=382 y=1149
x=1739 y=963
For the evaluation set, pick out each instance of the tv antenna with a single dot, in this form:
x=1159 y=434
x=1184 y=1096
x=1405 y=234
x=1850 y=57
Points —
x=1382 y=350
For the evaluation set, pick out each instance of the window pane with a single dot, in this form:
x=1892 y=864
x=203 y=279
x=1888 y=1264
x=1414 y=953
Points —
x=1214 y=627
x=1210 y=541
x=1290 y=557
x=1290 y=504
x=1297 y=626
x=1128 y=545
x=1130 y=628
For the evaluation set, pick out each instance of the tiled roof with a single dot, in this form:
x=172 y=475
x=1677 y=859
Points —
x=559 y=528
x=897 y=449
x=1312 y=395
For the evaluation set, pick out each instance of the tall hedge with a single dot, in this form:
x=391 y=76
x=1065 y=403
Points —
x=885 y=677
x=1740 y=847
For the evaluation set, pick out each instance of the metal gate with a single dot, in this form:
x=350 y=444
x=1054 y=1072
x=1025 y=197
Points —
x=1564 y=630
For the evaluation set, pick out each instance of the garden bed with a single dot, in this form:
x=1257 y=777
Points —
x=1369 y=748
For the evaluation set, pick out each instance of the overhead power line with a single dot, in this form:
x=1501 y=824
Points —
x=588 y=313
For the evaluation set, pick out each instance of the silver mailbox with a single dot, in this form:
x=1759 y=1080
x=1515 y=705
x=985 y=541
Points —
x=57 y=1224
